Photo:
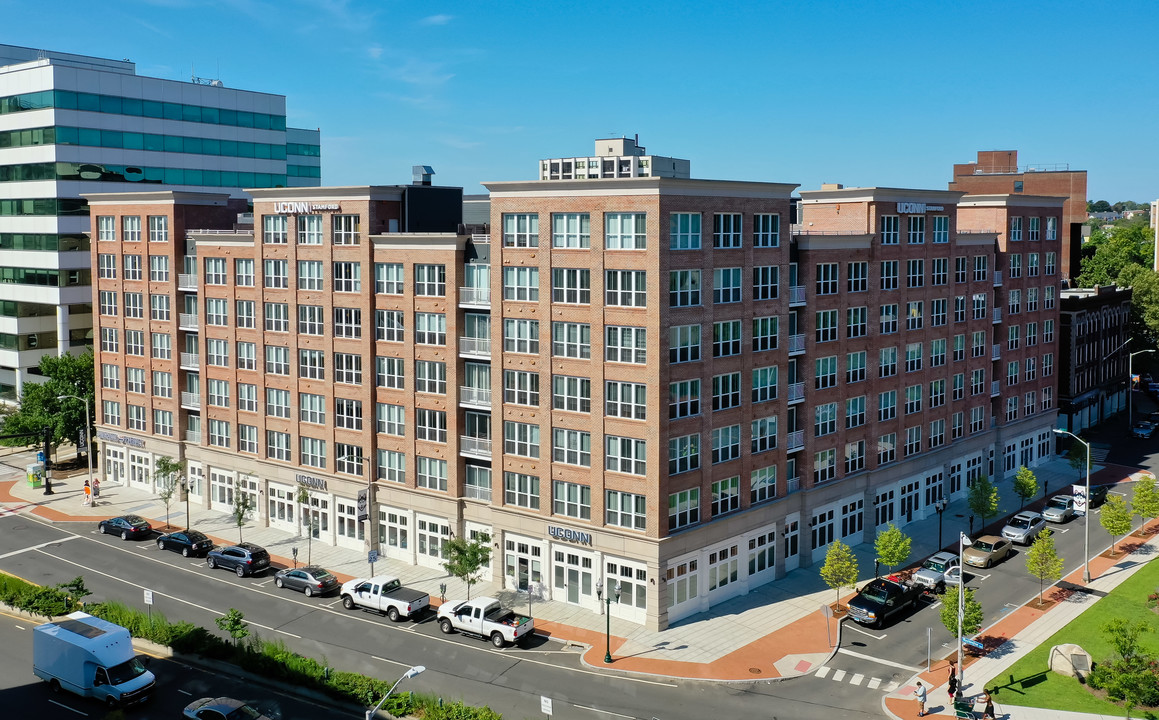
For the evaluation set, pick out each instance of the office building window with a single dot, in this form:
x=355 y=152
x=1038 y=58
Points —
x=626 y=288
x=725 y=444
x=726 y=338
x=625 y=455
x=857 y=276
x=275 y=229
x=309 y=229
x=764 y=334
x=684 y=343
x=626 y=344
x=766 y=230
x=571 y=340
x=916 y=229
x=388 y=278
x=570 y=285
x=683 y=454
x=726 y=285
x=684 y=231
x=890 y=233
x=571 y=230
x=521 y=283
x=726 y=230
x=625 y=231
x=683 y=288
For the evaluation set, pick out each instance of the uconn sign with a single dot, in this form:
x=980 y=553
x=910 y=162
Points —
x=295 y=208
x=574 y=536
x=912 y=208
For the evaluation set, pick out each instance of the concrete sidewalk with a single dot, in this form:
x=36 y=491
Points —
x=776 y=631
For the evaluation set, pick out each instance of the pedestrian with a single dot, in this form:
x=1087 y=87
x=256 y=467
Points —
x=952 y=681
x=88 y=494
x=921 y=695
x=988 y=710
x=96 y=488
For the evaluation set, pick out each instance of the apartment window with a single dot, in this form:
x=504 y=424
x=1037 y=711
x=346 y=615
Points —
x=764 y=334
x=311 y=320
x=106 y=228
x=825 y=419
x=388 y=278
x=431 y=377
x=625 y=455
x=1047 y=398
x=521 y=490
x=1051 y=229
x=135 y=380
x=888 y=319
x=159 y=269
x=571 y=500
x=824 y=466
x=726 y=285
x=725 y=444
x=938 y=312
x=431 y=425
x=826 y=330
x=348 y=415
x=684 y=231
x=915 y=273
x=1048 y=365
x=571 y=447
x=959 y=382
x=981 y=268
x=726 y=338
x=388 y=325
x=856 y=322
x=519 y=336
x=937 y=433
x=626 y=344
x=310 y=274
x=941 y=229
x=626 y=288
x=1030 y=369
x=521 y=283
x=1050 y=261
x=684 y=343
x=1012 y=373
x=938 y=352
x=218 y=393
x=1032 y=264
x=245 y=313
x=764 y=384
x=309 y=229
x=977 y=419
x=766 y=279
x=131 y=228
x=162 y=384
x=390 y=419
x=913 y=440
x=344 y=229
x=726 y=391
x=571 y=340
x=683 y=454
x=1011 y=409
x=886 y=405
x=392 y=467
x=108 y=303
x=570 y=285
x=519 y=387
x=854 y=462
x=570 y=230
x=683 y=288
x=275 y=274
x=277 y=317
x=726 y=498
x=107 y=266
x=1048 y=297
x=977 y=381
x=825 y=372
x=916 y=229
x=1015 y=229
x=857 y=276
x=766 y=230
x=347 y=277
x=957 y=426
x=163 y=349
x=110 y=376
x=625 y=400
x=135 y=305
x=278 y=446
x=1032 y=299
x=132 y=267
x=960 y=265
x=216 y=311
x=275 y=229
x=278 y=403
x=855 y=412
x=979 y=304
x=960 y=308
x=570 y=393
x=683 y=399
x=1012 y=337
x=887 y=448
x=431 y=280
x=247 y=397
x=913 y=357
x=348 y=368
x=163 y=423
x=1015 y=265
x=890 y=233
x=726 y=230
x=625 y=231
x=913 y=399
x=388 y=372
x=312 y=452
x=625 y=510
x=855 y=366
x=247 y=356
x=827 y=278
x=218 y=433
x=684 y=509
x=430 y=328
x=939 y=271
x=914 y=312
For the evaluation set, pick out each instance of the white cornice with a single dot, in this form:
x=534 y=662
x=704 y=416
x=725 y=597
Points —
x=1012 y=200
x=326 y=194
x=880 y=194
x=625 y=187
x=161 y=197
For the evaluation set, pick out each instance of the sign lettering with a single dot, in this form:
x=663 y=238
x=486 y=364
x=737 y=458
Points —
x=294 y=208
x=120 y=439
x=311 y=481
x=570 y=535
x=913 y=208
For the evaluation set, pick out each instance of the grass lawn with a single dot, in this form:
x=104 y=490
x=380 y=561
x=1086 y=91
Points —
x=1029 y=682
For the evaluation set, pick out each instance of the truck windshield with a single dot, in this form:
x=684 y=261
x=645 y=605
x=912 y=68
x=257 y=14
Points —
x=126 y=671
x=876 y=594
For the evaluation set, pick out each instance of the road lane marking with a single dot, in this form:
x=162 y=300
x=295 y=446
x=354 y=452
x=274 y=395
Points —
x=37 y=547
x=880 y=661
x=66 y=707
x=854 y=628
x=184 y=692
x=263 y=584
x=873 y=684
x=839 y=675
x=856 y=679
x=823 y=671
x=605 y=712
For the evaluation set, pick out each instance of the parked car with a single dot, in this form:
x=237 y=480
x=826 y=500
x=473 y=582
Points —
x=1143 y=429
x=933 y=571
x=310 y=579
x=1098 y=495
x=127 y=526
x=186 y=542
x=986 y=551
x=384 y=594
x=485 y=618
x=1023 y=527
x=1153 y=388
x=879 y=600
x=1059 y=508
x=222 y=708
x=243 y=558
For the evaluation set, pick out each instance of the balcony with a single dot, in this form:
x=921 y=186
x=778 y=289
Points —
x=191 y=401
x=190 y=361
x=997 y=278
x=475 y=447
x=995 y=388
x=187 y=282
x=187 y=321
x=997 y=315
x=796 y=295
x=793 y=484
x=475 y=347
x=796 y=392
x=796 y=344
x=475 y=397
x=996 y=352
x=795 y=441
x=475 y=492
x=479 y=297
x=480 y=238
x=193 y=436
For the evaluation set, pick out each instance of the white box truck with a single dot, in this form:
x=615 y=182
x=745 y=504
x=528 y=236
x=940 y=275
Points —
x=92 y=658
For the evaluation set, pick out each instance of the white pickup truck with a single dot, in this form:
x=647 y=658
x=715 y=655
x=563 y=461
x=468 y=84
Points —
x=385 y=594
x=486 y=618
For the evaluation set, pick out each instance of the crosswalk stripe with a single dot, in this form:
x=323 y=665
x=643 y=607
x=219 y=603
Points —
x=839 y=675
x=823 y=671
x=856 y=679
x=873 y=684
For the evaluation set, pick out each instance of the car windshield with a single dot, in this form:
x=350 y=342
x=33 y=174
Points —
x=1057 y=503
x=934 y=565
x=1020 y=523
x=983 y=546
x=245 y=712
x=126 y=671
x=877 y=594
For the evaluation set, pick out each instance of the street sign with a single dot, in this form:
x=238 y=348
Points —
x=545 y=704
x=973 y=643
x=372 y=557
x=148 y=597
x=828 y=611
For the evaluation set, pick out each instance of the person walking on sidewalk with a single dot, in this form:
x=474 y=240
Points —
x=88 y=494
x=920 y=692
x=96 y=488
x=988 y=710
x=952 y=683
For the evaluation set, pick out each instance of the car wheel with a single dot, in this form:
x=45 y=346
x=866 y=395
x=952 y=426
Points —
x=347 y=602
x=101 y=527
x=392 y=613
x=446 y=627
x=309 y=591
x=124 y=534
x=211 y=563
x=111 y=702
x=987 y=565
x=278 y=582
x=497 y=639
x=184 y=552
x=54 y=685
x=160 y=544
x=240 y=571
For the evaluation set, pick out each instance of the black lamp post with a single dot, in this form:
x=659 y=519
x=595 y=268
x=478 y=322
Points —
x=608 y=602
x=940 y=507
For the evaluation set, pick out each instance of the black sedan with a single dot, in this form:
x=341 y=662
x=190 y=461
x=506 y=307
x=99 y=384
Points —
x=310 y=579
x=186 y=542
x=127 y=526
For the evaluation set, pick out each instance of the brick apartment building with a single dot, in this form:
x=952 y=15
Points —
x=751 y=390
x=1094 y=333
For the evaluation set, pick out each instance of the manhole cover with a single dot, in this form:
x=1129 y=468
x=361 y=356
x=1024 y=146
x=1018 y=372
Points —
x=755 y=671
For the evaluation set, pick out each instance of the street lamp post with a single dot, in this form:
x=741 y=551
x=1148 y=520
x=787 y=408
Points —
x=88 y=437
x=369 y=501
x=1087 y=514
x=406 y=675
x=940 y=507
x=608 y=601
x=963 y=541
x=1131 y=386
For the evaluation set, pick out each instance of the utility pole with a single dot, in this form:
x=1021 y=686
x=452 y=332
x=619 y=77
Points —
x=47 y=434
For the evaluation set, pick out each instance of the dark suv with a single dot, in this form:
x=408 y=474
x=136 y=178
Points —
x=243 y=558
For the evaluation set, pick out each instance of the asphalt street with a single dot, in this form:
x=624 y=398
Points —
x=512 y=680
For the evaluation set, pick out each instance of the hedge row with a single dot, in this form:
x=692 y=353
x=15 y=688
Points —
x=47 y=602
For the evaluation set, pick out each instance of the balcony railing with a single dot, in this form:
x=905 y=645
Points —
x=479 y=397
x=191 y=361
x=477 y=493
x=996 y=351
x=480 y=238
x=187 y=321
x=995 y=388
x=795 y=441
x=475 y=296
x=796 y=344
x=793 y=484
x=191 y=400
x=997 y=315
x=480 y=347
x=997 y=278
x=796 y=392
x=479 y=447
x=186 y=282
x=193 y=436
x=797 y=295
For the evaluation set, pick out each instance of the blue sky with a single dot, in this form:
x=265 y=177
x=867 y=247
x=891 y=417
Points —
x=861 y=93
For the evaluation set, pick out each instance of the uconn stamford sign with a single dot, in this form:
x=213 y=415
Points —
x=570 y=535
x=295 y=208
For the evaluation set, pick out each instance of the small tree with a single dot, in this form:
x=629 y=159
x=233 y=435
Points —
x=1115 y=518
x=1145 y=504
x=167 y=470
x=1123 y=636
x=983 y=499
x=233 y=623
x=893 y=546
x=971 y=611
x=466 y=559
x=1042 y=560
x=840 y=568
x=1025 y=485
x=243 y=506
x=304 y=501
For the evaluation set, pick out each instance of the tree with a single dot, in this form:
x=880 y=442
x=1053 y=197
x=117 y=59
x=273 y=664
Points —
x=983 y=499
x=303 y=499
x=243 y=506
x=39 y=407
x=1042 y=560
x=840 y=568
x=1145 y=504
x=167 y=470
x=1076 y=455
x=1115 y=518
x=466 y=559
x=233 y=623
x=893 y=546
x=1099 y=206
x=1123 y=636
x=971 y=611
x=1025 y=485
